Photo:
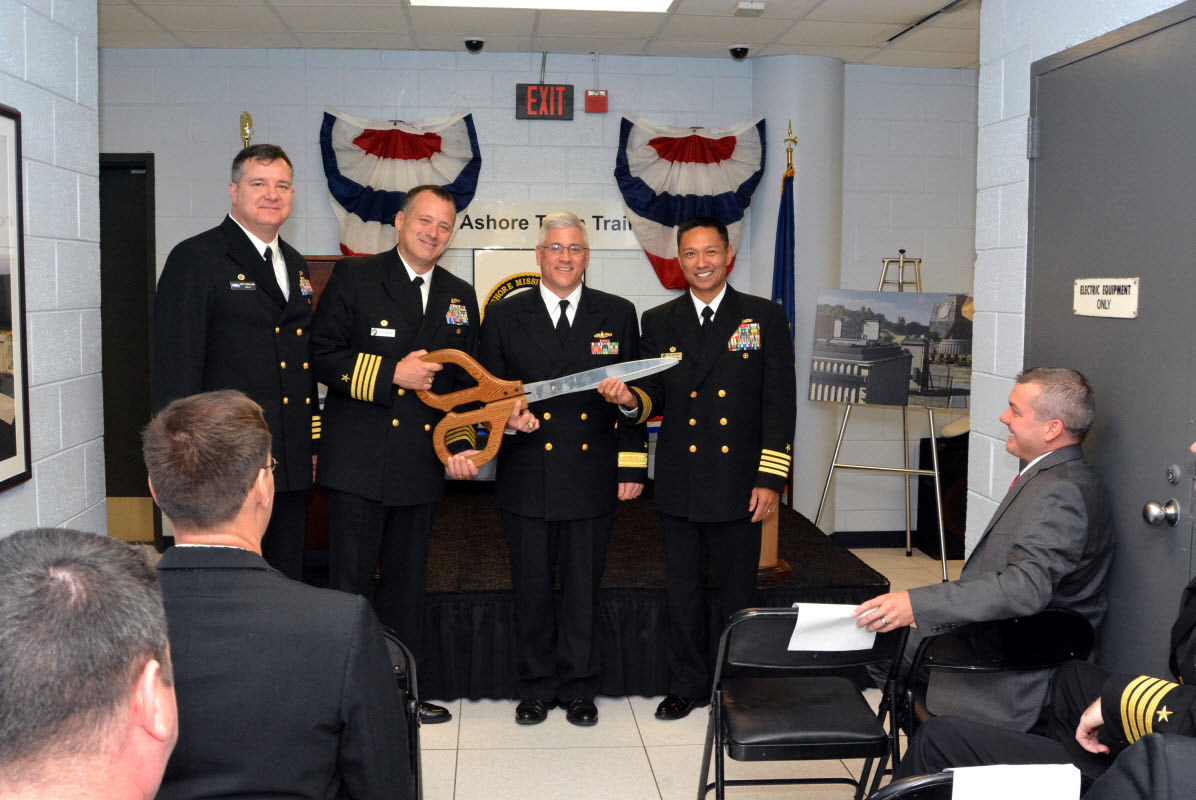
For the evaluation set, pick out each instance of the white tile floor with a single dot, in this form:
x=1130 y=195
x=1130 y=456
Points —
x=483 y=755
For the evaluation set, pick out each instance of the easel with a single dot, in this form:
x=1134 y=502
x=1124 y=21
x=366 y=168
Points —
x=900 y=262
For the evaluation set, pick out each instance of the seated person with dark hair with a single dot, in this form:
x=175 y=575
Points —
x=86 y=700
x=284 y=690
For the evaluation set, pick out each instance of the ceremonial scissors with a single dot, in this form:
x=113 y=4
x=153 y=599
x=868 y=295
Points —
x=499 y=396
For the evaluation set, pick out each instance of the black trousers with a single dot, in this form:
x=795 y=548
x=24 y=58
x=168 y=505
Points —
x=557 y=662
x=364 y=535
x=689 y=549
x=282 y=546
x=948 y=741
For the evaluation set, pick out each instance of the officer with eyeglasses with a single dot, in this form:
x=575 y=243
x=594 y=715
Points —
x=557 y=486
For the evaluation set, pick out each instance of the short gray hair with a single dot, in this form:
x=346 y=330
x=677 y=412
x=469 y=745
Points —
x=562 y=219
x=1065 y=395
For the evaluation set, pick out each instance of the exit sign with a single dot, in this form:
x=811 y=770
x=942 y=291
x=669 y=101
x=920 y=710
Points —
x=543 y=101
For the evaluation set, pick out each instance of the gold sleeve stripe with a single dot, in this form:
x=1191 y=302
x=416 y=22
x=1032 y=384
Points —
x=645 y=405
x=465 y=434
x=365 y=373
x=317 y=426
x=1139 y=701
x=774 y=462
x=776 y=455
x=773 y=471
x=633 y=460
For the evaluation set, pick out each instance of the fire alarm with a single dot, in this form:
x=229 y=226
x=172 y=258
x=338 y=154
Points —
x=595 y=101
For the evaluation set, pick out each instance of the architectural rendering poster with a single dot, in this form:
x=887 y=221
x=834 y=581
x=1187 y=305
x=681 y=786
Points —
x=892 y=349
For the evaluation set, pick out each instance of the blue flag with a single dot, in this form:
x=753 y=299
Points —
x=782 y=263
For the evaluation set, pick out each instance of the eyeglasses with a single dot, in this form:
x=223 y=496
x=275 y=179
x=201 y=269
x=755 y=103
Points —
x=557 y=249
x=273 y=463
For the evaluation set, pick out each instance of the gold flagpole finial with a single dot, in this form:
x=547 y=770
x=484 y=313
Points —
x=246 y=128
x=789 y=142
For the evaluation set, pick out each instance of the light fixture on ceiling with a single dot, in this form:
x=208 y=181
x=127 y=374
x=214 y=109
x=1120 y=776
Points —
x=658 y=6
x=749 y=8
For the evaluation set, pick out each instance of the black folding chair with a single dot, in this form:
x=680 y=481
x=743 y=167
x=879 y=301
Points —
x=773 y=704
x=919 y=787
x=1037 y=642
x=403 y=661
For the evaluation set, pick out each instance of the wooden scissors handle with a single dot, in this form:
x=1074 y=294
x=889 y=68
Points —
x=489 y=388
x=498 y=396
x=493 y=415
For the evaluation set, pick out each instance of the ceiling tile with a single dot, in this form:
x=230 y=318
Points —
x=964 y=17
x=582 y=44
x=659 y=47
x=125 y=19
x=917 y=58
x=202 y=17
x=842 y=52
x=339 y=40
x=859 y=34
x=238 y=40
x=774 y=9
x=343 y=18
x=494 y=44
x=939 y=40
x=138 y=40
x=730 y=30
x=898 y=12
x=484 y=22
x=598 y=24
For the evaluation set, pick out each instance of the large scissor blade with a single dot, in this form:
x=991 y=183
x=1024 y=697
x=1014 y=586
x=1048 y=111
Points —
x=581 y=381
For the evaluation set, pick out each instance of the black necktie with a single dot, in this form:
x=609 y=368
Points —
x=419 y=296
x=562 y=322
x=707 y=316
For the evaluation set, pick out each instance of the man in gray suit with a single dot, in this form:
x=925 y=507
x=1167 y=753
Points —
x=1049 y=545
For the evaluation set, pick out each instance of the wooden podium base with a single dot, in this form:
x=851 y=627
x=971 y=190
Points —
x=772 y=568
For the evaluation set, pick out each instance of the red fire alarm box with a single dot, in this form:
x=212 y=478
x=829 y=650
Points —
x=595 y=101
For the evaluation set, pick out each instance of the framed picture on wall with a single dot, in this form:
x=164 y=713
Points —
x=14 y=376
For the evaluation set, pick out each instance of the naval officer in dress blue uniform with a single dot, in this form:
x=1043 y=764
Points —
x=725 y=447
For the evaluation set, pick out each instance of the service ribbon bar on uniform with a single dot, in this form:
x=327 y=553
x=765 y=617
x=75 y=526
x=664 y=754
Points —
x=365 y=373
x=775 y=463
x=633 y=460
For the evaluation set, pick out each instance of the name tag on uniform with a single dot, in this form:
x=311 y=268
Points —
x=674 y=355
x=747 y=337
x=243 y=286
x=387 y=333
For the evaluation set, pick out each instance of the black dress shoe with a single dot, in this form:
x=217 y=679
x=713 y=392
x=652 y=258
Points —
x=677 y=707
x=581 y=712
x=531 y=712
x=432 y=714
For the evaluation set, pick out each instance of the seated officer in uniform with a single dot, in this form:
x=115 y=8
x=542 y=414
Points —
x=86 y=696
x=284 y=690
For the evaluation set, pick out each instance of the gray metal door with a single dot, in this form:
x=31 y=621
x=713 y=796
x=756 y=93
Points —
x=1113 y=195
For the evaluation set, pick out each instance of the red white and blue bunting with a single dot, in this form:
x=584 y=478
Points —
x=668 y=175
x=370 y=165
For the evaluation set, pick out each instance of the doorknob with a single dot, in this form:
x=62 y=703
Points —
x=1156 y=513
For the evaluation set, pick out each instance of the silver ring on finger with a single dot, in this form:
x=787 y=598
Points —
x=884 y=623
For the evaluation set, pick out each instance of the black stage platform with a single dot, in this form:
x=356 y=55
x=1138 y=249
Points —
x=469 y=632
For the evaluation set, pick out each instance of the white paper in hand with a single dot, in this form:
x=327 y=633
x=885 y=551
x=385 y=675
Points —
x=1023 y=781
x=828 y=626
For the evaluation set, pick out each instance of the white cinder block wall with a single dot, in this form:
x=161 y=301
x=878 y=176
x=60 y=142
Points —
x=909 y=182
x=184 y=105
x=48 y=72
x=1013 y=35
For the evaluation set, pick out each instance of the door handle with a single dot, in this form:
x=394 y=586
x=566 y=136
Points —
x=1156 y=513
